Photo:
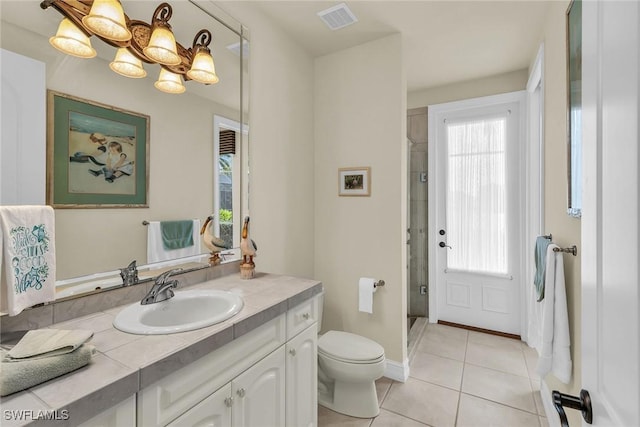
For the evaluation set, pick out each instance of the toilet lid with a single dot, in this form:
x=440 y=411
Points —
x=347 y=346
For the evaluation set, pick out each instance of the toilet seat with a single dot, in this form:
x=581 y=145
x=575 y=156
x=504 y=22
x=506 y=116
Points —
x=350 y=348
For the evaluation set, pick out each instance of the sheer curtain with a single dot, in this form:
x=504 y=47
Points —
x=476 y=196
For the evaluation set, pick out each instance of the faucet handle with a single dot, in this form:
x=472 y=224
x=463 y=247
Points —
x=162 y=278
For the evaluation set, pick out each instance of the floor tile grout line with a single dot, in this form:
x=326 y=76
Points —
x=498 y=370
x=500 y=403
x=404 y=416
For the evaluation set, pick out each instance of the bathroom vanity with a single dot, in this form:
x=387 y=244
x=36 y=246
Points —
x=256 y=368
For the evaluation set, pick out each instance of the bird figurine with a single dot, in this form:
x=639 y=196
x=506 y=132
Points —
x=212 y=242
x=248 y=247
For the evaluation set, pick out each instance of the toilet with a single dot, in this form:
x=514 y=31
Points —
x=348 y=366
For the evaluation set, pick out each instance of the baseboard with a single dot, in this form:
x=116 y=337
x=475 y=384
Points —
x=397 y=371
x=549 y=410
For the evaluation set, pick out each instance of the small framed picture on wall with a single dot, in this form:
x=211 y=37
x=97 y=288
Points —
x=355 y=181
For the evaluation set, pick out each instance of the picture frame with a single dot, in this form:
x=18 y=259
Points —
x=354 y=181
x=574 y=108
x=97 y=154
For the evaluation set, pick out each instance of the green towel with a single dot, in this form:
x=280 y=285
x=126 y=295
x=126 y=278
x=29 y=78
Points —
x=542 y=243
x=20 y=375
x=176 y=234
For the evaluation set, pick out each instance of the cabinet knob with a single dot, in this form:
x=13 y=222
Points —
x=241 y=392
x=228 y=402
x=292 y=352
x=306 y=316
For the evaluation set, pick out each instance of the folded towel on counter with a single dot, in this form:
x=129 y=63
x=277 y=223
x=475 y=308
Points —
x=27 y=257
x=542 y=243
x=41 y=343
x=177 y=234
x=25 y=373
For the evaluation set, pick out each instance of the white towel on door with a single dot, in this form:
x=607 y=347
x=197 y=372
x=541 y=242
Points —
x=156 y=251
x=555 y=353
x=27 y=246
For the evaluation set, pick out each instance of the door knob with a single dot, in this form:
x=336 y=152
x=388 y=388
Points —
x=444 y=245
x=581 y=403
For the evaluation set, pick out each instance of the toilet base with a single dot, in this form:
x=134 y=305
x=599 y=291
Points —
x=353 y=399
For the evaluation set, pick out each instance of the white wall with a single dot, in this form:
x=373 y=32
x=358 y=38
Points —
x=281 y=200
x=492 y=85
x=566 y=230
x=360 y=120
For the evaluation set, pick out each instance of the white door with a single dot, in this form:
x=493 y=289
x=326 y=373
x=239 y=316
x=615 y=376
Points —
x=610 y=259
x=474 y=217
x=214 y=411
x=302 y=379
x=259 y=393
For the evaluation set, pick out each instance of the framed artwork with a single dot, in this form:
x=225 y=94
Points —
x=97 y=155
x=574 y=108
x=354 y=181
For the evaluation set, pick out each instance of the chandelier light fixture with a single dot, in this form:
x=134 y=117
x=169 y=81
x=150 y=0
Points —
x=137 y=42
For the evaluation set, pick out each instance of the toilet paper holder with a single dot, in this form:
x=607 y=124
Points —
x=378 y=283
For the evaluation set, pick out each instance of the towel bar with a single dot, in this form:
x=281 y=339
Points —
x=145 y=222
x=378 y=283
x=572 y=250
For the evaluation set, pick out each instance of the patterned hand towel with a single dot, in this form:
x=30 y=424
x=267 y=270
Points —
x=27 y=248
x=41 y=343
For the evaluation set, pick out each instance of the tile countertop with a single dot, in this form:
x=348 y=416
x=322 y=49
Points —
x=126 y=363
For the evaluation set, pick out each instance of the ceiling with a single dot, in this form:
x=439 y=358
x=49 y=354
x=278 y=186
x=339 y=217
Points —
x=445 y=41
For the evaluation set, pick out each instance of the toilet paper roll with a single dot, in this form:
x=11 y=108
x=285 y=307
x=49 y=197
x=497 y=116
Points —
x=366 y=288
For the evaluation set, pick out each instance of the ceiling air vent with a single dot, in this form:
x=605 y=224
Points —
x=338 y=16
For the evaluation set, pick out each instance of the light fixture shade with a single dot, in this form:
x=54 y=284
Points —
x=162 y=46
x=203 y=69
x=106 y=19
x=126 y=64
x=70 y=40
x=169 y=82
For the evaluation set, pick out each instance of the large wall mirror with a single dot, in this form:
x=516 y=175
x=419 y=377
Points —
x=574 y=108
x=183 y=180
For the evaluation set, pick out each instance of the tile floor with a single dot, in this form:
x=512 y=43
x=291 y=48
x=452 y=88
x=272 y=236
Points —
x=458 y=378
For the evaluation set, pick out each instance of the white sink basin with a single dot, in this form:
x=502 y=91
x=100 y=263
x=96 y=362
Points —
x=186 y=311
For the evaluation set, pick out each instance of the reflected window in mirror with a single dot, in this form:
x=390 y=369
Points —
x=227 y=161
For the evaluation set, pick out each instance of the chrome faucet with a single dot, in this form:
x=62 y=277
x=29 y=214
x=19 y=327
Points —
x=129 y=274
x=161 y=290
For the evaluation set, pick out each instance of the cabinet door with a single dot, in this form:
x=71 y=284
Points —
x=214 y=411
x=123 y=414
x=258 y=393
x=302 y=379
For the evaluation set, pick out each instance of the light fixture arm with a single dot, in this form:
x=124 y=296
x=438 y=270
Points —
x=162 y=15
x=205 y=39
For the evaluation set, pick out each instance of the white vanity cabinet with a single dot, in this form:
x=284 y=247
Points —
x=259 y=393
x=123 y=414
x=267 y=377
x=215 y=410
x=302 y=379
